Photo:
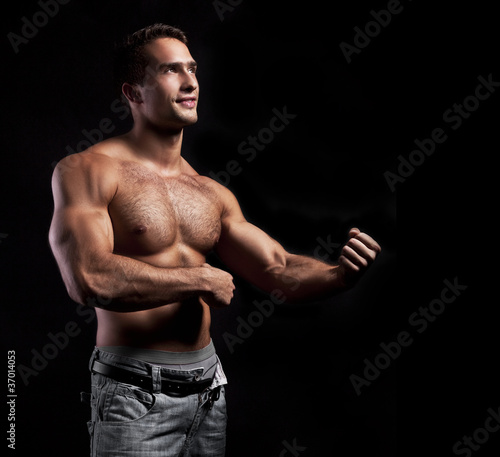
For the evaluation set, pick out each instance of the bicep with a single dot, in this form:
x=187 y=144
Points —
x=79 y=238
x=79 y=231
x=247 y=250
x=81 y=228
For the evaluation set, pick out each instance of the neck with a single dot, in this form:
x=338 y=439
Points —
x=158 y=148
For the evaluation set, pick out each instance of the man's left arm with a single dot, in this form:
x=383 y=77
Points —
x=256 y=257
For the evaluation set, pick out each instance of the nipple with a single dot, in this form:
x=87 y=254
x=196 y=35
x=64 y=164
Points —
x=140 y=229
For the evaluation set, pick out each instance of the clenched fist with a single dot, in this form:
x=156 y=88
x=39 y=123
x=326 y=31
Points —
x=357 y=255
x=220 y=287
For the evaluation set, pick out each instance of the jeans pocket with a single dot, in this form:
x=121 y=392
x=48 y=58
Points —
x=87 y=399
x=125 y=403
x=221 y=403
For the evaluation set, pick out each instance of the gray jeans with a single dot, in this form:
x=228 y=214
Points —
x=130 y=421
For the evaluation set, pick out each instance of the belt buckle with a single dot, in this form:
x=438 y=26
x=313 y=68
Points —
x=214 y=396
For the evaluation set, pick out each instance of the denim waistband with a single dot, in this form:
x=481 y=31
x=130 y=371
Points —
x=145 y=368
x=208 y=368
x=162 y=357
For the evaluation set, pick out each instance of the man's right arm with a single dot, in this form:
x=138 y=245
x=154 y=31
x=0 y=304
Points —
x=81 y=238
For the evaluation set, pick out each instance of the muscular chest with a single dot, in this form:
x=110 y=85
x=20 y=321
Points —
x=151 y=214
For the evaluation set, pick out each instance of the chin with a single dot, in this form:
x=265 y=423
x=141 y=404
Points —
x=186 y=118
x=191 y=120
x=176 y=124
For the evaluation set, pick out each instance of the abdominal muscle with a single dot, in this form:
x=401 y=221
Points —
x=180 y=326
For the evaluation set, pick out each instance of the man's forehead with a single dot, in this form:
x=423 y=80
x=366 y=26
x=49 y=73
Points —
x=164 y=50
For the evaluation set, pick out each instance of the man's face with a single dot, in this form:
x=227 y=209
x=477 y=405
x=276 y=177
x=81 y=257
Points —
x=170 y=89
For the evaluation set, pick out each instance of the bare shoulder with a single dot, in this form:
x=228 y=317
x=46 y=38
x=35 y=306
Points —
x=96 y=157
x=204 y=181
x=93 y=171
x=222 y=192
x=228 y=200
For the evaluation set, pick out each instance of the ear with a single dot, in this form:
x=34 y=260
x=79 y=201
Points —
x=132 y=94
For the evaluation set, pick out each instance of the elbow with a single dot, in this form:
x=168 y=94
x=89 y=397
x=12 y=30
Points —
x=88 y=289
x=274 y=273
x=97 y=291
x=76 y=294
x=86 y=279
x=276 y=262
x=80 y=291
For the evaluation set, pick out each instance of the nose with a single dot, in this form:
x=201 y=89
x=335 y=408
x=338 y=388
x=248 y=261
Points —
x=189 y=83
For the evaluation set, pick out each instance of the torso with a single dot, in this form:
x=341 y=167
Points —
x=165 y=222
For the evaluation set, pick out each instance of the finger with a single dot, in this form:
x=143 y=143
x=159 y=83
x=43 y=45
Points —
x=353 y=257
x=362 y=249
x=348 y=265
x=353 y=232
x=223 y=273
x=368 y=241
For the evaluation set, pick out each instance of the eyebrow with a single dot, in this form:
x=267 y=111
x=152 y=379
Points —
x=189 y=64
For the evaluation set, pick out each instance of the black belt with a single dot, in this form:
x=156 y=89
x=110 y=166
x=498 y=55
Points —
x=168 y=386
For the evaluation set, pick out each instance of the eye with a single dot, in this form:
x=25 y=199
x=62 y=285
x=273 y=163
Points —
x=192 y=70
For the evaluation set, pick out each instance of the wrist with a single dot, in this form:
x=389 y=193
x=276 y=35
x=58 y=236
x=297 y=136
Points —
x=203 y=282
x=339 y=280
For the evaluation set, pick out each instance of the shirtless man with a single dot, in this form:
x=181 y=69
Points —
x=132 y=224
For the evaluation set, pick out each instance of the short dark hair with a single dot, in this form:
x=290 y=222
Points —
x=129 y=60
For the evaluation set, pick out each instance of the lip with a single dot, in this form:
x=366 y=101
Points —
x=188 y=102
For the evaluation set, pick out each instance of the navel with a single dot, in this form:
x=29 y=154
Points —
x=140 y=229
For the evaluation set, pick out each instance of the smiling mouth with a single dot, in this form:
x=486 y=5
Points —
x=189 y=102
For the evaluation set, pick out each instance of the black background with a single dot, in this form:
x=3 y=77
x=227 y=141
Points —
x=324 y=173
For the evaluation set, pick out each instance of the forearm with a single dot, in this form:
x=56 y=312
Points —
x=302 y=278
x=132 y=285
x=263 y=262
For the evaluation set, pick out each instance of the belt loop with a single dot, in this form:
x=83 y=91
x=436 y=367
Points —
x=94 y=357
x=156 y=376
